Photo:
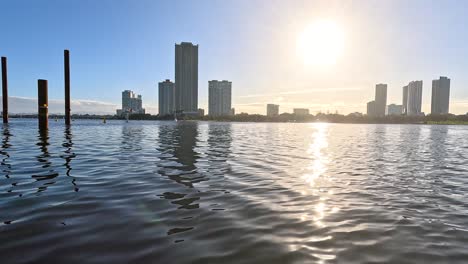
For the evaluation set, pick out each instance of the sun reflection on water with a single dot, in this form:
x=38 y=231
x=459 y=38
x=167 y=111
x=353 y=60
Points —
x=316 y=175
x=316 y=178
x=320 y=160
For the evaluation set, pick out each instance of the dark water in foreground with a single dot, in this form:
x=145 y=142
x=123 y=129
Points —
x=188 y=192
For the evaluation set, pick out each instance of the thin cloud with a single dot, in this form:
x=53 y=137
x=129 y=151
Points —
x=25 y=105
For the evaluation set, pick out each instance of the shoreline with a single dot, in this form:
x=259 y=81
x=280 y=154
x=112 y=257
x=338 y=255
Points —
x=383 y=121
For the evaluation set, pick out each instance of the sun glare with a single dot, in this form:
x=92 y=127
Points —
x=321 y=43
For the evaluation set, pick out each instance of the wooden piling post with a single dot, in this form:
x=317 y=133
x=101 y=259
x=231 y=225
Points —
x=43 y=99
x=5 y=90
x=66 y=55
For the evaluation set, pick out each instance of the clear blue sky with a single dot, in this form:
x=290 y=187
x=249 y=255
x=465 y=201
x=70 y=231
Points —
x=123 y=44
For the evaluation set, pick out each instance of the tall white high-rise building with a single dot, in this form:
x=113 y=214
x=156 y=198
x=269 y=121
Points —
x=405 y=100
x=131 y=103
x=219 y=98
x=380 y=99
x=186 y=78
x=166 y=98
x=440 y=96
x=414 y=98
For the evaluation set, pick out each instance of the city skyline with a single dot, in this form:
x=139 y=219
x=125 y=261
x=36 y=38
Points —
x=123 y=59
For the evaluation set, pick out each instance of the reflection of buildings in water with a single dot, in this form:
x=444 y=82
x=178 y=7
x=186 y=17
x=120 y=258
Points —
x=380 y=139
x=177 y=144
x=438 y=144
x=131 y=140
x=219 y=140
x=69 y=155
x=185 y=140
x=43 y=159
x=410 y=136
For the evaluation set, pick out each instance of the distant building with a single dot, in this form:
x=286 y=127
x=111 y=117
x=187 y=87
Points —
x=414 y=98
x=393 y=109
x=440 y=96
x=131 y=104
x=219 y=98
x=201 y=112
x=233 y=111
x=371 y=108
x=166 y=98
x=272 y=110
x=405 y=100
x=380 y=99
x=301 y=111
x=186 y=78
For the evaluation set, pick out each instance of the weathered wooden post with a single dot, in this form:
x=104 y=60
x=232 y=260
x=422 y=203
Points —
x=66 y=55
x=43 y=113
x=4 y=90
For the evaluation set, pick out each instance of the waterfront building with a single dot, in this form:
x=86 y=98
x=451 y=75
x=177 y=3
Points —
x=166 y=98
x=414 y=98
x=405 y=99
x=371 y=108
x=201 y=112
x=301 y=111
x=186 y=78
x=131 y=103
x=272 y=109
x=394 y=109
x=440 y=96
x=380 y=99
x=233 y=111
x=219 y=98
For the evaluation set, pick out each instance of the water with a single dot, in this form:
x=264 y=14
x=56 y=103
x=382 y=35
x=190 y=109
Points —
x=199 y=192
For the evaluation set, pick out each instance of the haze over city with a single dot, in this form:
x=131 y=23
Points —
x=272 y=56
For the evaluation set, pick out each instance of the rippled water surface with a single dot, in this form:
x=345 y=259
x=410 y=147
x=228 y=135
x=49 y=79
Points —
x=199 y=192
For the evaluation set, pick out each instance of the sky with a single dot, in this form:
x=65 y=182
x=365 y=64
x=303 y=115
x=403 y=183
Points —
x=129 y=44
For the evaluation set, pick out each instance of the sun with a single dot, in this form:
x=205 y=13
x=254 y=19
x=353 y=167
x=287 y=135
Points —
x=321 y=43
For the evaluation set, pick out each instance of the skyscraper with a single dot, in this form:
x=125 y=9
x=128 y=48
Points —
x=414 y=98
x=131 y=103
x=186 y=78
x=272 y=110
x=380 y=99
x=219 y=98
x=440 y=96
x=166 y=98
x=405 y=100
